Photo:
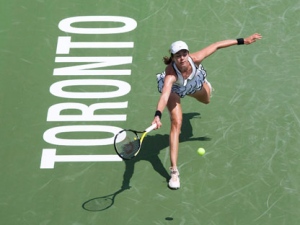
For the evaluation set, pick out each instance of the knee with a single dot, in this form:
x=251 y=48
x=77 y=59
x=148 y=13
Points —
x=176 y=124
x=206 y=101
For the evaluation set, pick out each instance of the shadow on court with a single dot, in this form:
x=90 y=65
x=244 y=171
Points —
x=152 y=146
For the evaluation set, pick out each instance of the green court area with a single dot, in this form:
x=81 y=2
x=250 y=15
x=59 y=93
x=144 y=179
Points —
x=74 y=72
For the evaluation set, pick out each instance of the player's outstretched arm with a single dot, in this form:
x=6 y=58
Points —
x=204 y=53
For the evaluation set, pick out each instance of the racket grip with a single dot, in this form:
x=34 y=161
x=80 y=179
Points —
x=152 y=127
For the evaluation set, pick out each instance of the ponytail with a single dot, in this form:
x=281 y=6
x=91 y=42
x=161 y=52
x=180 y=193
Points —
x=167 y=60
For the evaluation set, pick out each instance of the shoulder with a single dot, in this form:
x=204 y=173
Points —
x=170 y=73
x=170 y=69
x=195 y=58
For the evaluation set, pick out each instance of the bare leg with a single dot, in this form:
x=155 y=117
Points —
x=175 y=111
x=203 y=95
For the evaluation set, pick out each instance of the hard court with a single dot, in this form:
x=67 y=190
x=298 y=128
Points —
x=56 y=152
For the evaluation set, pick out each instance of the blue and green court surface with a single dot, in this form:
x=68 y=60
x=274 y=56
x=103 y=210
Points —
x=73 y=73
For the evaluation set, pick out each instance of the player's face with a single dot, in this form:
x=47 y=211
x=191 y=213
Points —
x=181 y=57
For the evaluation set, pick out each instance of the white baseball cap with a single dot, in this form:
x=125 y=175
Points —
x=177 y=46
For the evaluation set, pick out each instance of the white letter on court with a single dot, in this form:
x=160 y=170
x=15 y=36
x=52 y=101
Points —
x=66 y=25
x=87 y=112
x=50 y=135
x=94 y=62
x=57 y=88
x=64 y=45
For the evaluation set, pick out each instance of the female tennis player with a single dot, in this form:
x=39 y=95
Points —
x=185 y=76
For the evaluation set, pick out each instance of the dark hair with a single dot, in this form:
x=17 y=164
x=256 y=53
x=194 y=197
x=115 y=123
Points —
x=167 y=60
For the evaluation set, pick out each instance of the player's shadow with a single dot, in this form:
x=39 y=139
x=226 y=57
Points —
x=152 y=146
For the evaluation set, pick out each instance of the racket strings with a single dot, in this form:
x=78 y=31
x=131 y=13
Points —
x=128 y=143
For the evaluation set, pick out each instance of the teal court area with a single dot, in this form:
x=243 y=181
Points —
x=75 y=72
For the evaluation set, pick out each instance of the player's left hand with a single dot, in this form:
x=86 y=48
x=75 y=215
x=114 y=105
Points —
x=252 y=38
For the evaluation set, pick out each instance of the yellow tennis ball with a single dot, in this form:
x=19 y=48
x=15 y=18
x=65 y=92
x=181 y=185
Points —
x=201 y=151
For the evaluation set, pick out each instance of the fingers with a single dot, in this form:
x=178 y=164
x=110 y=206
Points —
x=158 y=125
x=252 y=38
x=157 y=122
x=256 y=36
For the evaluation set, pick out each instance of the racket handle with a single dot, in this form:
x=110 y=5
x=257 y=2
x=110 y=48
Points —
x=152 y=127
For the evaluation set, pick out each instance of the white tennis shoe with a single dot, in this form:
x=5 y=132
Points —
x=174 y=182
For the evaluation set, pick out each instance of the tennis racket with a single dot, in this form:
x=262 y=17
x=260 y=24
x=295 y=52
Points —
x=128 y=143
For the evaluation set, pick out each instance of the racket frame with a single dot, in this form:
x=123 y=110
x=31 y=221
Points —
x=144 y=133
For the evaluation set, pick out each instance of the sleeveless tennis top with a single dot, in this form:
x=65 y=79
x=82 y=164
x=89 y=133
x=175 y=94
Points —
x=185 y=86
